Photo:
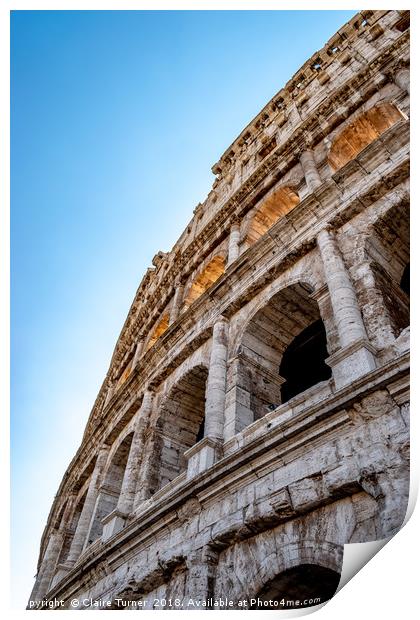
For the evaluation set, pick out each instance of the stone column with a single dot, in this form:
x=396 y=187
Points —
x=402 y=79
x=234 y=238
x=355 y=356
x=216 y=382
x=115 y=521
x=310 y=170
x=148 y=469
x=204 y=453
x=49 y=561
x=176 y=303
x=88 y=508
x=201 y=566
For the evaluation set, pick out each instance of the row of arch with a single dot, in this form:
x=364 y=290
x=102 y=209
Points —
x=356 y=136
x=179 y=425
x=280 y=352
x=273 y=365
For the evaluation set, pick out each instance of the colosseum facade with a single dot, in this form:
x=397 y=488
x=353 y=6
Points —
x=254 y=417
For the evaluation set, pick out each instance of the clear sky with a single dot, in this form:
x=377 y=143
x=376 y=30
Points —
x=117 y=118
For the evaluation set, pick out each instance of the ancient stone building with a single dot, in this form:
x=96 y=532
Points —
x=254 y=417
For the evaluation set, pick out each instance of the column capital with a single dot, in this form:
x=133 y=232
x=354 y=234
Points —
x=327 y=232
x=219 y=329
x=401 y=77
x=221 y=319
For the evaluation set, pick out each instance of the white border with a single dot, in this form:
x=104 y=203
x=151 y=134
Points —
x=387 y=585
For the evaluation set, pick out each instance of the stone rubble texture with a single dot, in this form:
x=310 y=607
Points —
x=194 y=478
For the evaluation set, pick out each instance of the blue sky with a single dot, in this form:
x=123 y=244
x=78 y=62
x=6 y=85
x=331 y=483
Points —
x=117 y=118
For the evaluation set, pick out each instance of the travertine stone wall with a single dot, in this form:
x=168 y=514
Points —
x=197 y=479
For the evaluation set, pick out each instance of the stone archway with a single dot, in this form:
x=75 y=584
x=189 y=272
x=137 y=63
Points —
x=110 y=490
x=160 y=329
x=204 y=280
x=70 y=529
x=272 y=333
x=361 y=132
x=275 y=206
x=304 y=585
x=382 y=276
x=180 y=425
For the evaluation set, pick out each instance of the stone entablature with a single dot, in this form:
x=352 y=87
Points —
x=313 y=237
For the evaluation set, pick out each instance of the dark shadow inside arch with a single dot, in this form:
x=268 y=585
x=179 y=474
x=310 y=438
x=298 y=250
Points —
x=302 y=586
x=109 y=492
x=388 y=249
x=405 y=280
x=282 y=354
x=180 y=426
x=71 y=529
x=303 y=362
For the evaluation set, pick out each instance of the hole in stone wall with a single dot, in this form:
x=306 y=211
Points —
x=403 y=24
x=332 y=50
x=109 y=492
x=160 y=328
x=308 y=582
x=361 y=132
x=180 y=426
x=208 y=276
x=303 y=362
x=70 y=530
x=272 y=209
x=405 y=280
x=389 y=254
x=272 y=333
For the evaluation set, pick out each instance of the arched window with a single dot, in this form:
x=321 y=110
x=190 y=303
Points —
x=205 y=279
x=405 y=280
x=273 y=208
x=361 y=132
x=388 y=251
x=310 y=584
x=303 y=362
x=160 y=328
x=180 y=426
x=70 y=530
x=282 y=353
x=111 y=488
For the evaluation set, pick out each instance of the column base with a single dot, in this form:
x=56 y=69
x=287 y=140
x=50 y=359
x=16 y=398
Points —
x=352 y=362
x=113 y=523
x=202 y=456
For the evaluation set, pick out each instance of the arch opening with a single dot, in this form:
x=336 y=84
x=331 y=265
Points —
x=405 y=280
x=303 y=362
x=310 y=584
x=273 y=208
x=282 y=352
x=70 y=530
x=361 y=132
x=160 y=329
x=110 y=490
x=388 y=250
x=205 y=279
x=180 y=426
